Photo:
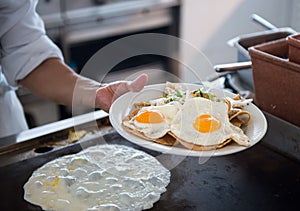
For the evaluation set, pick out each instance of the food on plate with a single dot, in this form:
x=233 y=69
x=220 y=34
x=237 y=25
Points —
x=102 y=177
x=205 y=124
x=237 y=115
x=152 y=122
x=174 y=92
x=196 y=119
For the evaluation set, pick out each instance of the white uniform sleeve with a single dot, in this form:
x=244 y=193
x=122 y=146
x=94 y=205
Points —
x=24 y=42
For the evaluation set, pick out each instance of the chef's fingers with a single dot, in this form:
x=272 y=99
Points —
x=121 y=87
x=137 y=84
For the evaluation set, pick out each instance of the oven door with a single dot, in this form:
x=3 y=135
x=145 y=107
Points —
x=80 y=41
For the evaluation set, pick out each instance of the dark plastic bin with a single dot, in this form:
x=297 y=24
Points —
x=276 y=80
x=294 y=48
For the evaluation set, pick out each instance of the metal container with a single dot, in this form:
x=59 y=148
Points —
x=242 y=80
x=243 y=42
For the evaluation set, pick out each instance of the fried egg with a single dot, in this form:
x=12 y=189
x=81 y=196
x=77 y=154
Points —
x=206 y=123
x=153 y=121
x=102 y=177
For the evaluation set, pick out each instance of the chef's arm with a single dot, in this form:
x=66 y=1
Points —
x=54 y=80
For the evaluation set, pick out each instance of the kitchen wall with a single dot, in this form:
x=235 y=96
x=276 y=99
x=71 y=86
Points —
x=208 y=25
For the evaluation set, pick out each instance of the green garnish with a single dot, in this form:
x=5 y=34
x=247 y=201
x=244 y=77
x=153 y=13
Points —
x=178 y=94
x=200 y=93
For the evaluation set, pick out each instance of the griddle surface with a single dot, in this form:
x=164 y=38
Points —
x=255 y=179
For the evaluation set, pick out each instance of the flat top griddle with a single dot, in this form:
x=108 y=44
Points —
x=259 y=178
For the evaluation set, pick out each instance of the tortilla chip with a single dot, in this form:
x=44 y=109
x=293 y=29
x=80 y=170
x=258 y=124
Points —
x=197 y=147
x=166 y=140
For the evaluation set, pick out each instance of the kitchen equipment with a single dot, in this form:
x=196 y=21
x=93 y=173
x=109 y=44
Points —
x=240 y=76
x=276 y=80
x=294 y=48
x=230 y=182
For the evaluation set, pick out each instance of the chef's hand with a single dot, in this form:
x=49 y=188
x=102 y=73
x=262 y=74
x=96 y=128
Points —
x=106 y=95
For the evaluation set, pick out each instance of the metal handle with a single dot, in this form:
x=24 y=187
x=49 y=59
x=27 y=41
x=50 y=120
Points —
x=263 y=22
x=232 y=66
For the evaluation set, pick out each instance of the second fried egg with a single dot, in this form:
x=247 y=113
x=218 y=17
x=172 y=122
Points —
x=205 y=122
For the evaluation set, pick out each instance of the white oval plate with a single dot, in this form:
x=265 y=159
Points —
x=123 y=105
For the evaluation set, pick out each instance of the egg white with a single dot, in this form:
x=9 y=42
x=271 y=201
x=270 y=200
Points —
x=102 y=177
x=155 y=130
x=182 y=124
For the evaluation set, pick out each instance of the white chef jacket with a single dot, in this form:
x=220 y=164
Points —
x=23 y=46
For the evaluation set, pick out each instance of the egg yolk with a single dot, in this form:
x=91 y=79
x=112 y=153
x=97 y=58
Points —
x=53 y=183
x=206 y=123
x=150 y=117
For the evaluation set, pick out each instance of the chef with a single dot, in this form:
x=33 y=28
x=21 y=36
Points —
x=30 y=59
